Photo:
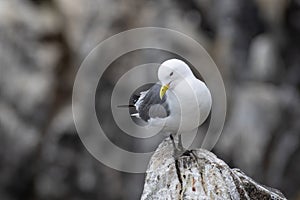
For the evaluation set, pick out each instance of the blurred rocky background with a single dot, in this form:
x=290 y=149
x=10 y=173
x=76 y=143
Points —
x=255 y=43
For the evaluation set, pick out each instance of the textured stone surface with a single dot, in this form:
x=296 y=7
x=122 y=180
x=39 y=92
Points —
x=199 y=174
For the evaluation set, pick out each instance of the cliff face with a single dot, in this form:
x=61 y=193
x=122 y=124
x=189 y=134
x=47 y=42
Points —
x=199 y=174
x=255 y=44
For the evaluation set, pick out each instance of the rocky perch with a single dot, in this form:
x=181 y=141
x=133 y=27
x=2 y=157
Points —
x=199 y=174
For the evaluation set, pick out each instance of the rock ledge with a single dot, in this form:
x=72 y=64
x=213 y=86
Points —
x=199 y=174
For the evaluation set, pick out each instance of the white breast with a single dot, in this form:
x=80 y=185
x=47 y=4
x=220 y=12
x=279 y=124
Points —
x=190 y=104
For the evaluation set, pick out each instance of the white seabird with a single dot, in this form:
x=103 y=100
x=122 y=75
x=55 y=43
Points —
x=179 y=103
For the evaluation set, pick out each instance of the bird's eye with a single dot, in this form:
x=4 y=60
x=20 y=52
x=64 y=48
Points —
x=171 y=74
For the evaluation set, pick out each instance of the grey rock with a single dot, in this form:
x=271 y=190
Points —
x=256 y=110
x=199 y=174
x=264 y=60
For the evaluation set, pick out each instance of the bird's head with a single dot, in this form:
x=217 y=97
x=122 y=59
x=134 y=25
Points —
x=171 y=72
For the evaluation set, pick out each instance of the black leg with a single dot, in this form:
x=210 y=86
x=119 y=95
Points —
x=177 y=152
x=180 y=146
x=173 y=142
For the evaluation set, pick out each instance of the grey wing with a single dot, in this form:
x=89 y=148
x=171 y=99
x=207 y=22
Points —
x=149 y=105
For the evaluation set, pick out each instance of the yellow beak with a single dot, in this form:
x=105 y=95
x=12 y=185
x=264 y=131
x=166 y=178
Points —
x=163 y=90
